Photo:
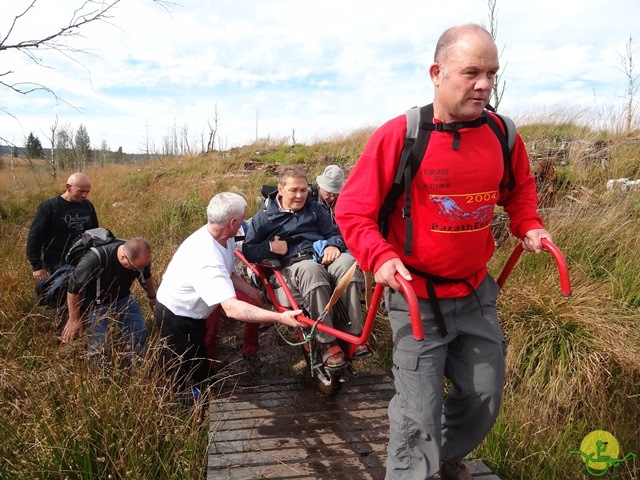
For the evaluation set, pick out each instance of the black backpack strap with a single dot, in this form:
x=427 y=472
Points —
x=54 y=202
x=419 y=128
x=507 y=137
x=412 y=166
x=101 y=270
x=91 y=209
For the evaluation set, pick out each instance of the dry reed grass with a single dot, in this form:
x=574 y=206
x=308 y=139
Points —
x=573 y=363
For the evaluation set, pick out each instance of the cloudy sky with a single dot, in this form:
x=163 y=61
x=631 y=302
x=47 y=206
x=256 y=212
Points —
x=279 y=68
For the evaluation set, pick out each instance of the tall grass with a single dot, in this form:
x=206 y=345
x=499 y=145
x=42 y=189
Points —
x=573 y=363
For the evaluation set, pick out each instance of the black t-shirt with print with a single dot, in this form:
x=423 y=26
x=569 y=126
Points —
x=54 y=228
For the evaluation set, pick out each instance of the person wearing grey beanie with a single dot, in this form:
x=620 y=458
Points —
x=328 y=186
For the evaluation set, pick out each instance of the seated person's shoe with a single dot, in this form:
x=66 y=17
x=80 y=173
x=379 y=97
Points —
x=332 y=355
x=361 y=351
x=454 y=471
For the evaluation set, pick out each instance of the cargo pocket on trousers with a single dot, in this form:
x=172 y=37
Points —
x=408 y=380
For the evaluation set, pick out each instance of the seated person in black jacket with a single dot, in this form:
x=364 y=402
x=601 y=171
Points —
x=300 y=234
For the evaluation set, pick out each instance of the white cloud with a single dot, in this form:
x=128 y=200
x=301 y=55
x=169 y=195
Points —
x=318 y=68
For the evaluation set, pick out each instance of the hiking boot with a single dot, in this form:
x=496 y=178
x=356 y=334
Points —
x=218 y=365
x=454 y=471
x=253 y=361
x=332 y=355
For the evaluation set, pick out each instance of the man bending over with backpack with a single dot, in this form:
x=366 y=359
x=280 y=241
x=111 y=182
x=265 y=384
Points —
x=102 y=281
x=452 y=196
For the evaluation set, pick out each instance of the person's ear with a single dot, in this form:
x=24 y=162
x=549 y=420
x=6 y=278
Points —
x=435 y=72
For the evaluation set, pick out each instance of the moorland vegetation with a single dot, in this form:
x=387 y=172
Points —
x=573 y=363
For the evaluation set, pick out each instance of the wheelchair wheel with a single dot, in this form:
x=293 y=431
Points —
x=330 y=384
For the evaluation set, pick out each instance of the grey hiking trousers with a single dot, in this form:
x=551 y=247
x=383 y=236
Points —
x=312 y=285
x=423 y=431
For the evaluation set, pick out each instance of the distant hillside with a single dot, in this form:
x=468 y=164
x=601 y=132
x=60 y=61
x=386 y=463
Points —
x=114 y=157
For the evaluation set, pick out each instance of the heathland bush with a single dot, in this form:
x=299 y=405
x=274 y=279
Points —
x=573 y=363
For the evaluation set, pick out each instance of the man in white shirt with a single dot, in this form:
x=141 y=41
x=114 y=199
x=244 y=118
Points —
x=201 y=276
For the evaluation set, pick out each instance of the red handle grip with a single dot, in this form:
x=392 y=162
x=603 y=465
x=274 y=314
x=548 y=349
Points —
x=414 y=308
x=549 y=246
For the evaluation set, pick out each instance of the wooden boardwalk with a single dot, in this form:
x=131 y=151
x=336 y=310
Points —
x=284 y=428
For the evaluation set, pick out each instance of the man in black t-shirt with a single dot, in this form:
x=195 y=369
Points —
x=102 y=282
x=58 y=222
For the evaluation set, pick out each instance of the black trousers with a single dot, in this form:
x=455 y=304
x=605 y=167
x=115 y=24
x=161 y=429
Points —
x=183 y=351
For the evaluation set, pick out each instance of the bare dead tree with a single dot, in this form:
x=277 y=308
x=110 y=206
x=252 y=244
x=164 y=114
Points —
x=499 y=85
x=16 y=183
x=58 y=39
x=213 y=129
x=627 y=68
x=184 y=143
x=222 y=146
x=52 y=154
x=257 y=121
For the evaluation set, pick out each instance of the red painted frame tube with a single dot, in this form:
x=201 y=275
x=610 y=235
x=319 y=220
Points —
x=407 y=290
x=549 y=246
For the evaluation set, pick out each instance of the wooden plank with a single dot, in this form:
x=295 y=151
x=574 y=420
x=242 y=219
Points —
x=312 y=452
x=298 y=432
x=288 y=429
x=293 y=406
x=285 y=428
x=477 y=468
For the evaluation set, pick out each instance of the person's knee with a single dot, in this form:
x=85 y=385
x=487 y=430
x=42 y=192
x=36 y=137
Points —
x=308 y=277
x=313 y=270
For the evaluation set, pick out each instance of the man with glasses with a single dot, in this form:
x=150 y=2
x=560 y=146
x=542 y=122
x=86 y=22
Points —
x=102 y=283
x=327 y=188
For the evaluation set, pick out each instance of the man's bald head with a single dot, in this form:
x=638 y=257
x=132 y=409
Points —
x=451 y=36
x=463 y=73
x=77 y=188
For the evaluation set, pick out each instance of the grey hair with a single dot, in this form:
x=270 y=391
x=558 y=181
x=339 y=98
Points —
x=293 y=171
x=224 y=206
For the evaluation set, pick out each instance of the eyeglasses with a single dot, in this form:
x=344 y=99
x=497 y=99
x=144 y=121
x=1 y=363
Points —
x=330 y=197
x=131 y=266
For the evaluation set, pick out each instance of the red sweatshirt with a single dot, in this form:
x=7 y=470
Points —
x=453 y=197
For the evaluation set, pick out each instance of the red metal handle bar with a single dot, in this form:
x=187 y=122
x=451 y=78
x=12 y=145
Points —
x=549 y=246
x=414 y=308
x=405 y=286
x=412 y=302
